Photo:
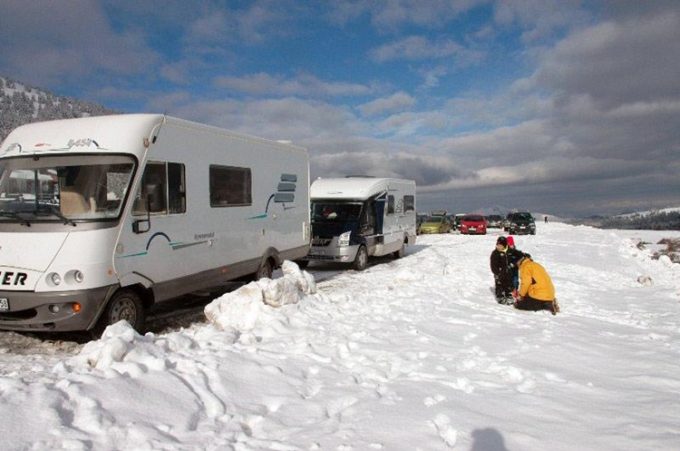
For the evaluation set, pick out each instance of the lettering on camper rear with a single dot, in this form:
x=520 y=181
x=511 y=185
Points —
x=13 y=278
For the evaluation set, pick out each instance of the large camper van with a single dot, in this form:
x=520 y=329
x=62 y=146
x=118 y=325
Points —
x=354 y=218
x=102 y=217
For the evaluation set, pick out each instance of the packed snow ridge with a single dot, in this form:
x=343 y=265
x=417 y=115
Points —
x=411 y=354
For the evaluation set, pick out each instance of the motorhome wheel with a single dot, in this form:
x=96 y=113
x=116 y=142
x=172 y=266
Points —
x=361 y=260
x=265 y=270
x=401 y=252
x=124 y=305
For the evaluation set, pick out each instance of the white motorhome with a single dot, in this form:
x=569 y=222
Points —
x=354 y=218
x=102 y=217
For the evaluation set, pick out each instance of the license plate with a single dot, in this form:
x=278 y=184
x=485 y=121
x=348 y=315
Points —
x=472 y=229
x=4 y=305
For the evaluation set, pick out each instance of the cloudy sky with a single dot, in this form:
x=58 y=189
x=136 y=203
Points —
x=556 y=106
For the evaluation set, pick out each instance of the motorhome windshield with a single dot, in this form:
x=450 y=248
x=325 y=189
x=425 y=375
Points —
x=66 y=188
x=434 y=219
x=335 y=211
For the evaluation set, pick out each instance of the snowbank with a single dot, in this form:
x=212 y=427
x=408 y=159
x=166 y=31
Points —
x=412 y=353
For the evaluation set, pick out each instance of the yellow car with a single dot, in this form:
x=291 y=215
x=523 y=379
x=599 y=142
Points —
x=435 y=224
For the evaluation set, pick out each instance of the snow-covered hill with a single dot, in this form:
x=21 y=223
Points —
x=21 y=104
x=411 y=354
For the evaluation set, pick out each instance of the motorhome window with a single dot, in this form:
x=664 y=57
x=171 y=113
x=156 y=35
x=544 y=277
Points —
x=51 y=188
x=390 y=204
x=176 y=188
x=335 y=211
x=409 y=203
x=230 y=186
x=152 y=193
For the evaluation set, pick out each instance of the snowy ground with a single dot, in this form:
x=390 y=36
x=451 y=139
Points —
x=409 y=354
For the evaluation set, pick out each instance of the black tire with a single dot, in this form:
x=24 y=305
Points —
x=401 y=252
x=361 y=260
x=265 y=270
x=125 y=304
x=302 y=264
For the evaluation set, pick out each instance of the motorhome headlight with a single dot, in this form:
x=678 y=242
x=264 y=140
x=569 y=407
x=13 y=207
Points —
x=74 y=276
x=54 y=278
x=343 y=240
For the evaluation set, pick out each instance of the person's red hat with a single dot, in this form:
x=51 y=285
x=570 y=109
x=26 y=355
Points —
x=511 y=241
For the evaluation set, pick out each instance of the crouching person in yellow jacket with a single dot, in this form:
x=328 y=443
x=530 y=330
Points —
x=536 y=290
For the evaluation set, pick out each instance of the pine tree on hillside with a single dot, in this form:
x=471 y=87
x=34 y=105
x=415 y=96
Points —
x=20 y=104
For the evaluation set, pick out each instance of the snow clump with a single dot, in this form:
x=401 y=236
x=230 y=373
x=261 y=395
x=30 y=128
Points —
x=122 y=350
x=242 y=309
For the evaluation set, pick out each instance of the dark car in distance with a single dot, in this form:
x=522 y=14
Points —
x=521 y=223
x=494 y=221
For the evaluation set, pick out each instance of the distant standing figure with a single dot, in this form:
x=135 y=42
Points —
x=545 y=218
x=536 y=290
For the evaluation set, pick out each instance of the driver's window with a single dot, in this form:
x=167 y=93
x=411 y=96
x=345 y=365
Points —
x=152 y=192
x=390 y=204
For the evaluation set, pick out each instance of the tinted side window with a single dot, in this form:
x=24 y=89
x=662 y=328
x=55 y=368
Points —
x=390 y=204
x=163 y=189
x=409 y=203
x=152 y=192
x=230 y=186
x=176 y=188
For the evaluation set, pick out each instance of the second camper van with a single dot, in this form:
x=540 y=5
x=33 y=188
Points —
x=354 y=218
x=102 y=217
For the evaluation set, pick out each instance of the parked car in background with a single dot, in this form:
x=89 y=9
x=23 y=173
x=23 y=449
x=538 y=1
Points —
x=473 y=225
x=494 y=221
x=435 y=224
x=521 y=223
x=505 y=224
x=456 y=220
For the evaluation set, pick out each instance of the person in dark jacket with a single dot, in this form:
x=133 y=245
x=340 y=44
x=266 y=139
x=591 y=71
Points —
x=502 y=274
x=513 y=255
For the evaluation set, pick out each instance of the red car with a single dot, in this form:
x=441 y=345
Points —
x=473 y=225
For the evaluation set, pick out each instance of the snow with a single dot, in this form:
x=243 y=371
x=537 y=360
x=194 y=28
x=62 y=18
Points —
x=410 y=354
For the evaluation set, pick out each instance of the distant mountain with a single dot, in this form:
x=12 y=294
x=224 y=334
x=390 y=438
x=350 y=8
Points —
x=21 y=104
x=663 y=219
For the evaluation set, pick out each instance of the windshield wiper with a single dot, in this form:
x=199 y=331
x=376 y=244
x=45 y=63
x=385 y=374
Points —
x=55 y=211
x=15 y=215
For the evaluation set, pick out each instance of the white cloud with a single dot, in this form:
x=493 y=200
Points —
x=618 y=62
x=539 y=18
x=421 y=48
x=396 y=102
x=393 y=14
x=44 y=41
x=257 y=22
x=304 y=85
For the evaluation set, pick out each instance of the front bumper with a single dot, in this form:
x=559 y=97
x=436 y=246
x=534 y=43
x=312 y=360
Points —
x=332 y=253
x=521 y=230
x=52 y=311
x=430 y=230
x=477 y=231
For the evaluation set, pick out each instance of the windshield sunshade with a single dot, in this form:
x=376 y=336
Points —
x=66 y=188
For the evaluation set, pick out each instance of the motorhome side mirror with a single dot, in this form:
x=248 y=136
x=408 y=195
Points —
x=141 y=226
